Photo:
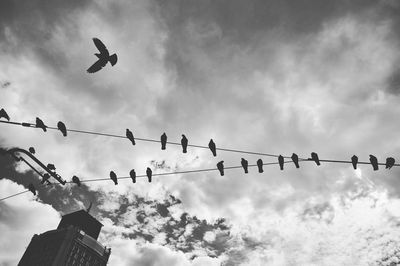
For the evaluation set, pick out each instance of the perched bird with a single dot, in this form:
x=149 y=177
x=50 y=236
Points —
x=61 y=126
x=129 y=135
x=314 y=157
x=32 y=189
x=281 y=161
x=260 y=166
x=184 y=143
x=220 y=166
x=132 y=174
x=149 y=173
x=113 y=177
x=3 y=114
x=76 y=180
x=295 y=160
x=163 y=141
x=212 y=147
x=46 y=177
x=374 y=162
x=51 y=167
x=354 y=161
x=390 y=162
x=32 y=150
x=40 y=124
x=104 y=57
x=245 y=165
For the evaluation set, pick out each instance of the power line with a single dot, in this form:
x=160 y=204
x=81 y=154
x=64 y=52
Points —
x=155 y=174
x=143 y=139
x=193 y=171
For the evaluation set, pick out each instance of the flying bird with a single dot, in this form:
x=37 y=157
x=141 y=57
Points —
x=314 y=157
x=129 y=135
x=220 y=166
x=184 y=143
x=113 y=177
x=32 y=150
x=212 y=147
x=132 y=174
x=103 y=57
x=46 y=178
x=32 y=189
x=374 y=162
x=61 y=126
x=51 y=167
x=260 y=166
x=149 y=173
x=281 y=161
x=3 y=114
x=245 y=165
x=163 y=141
x=76 y=180
x=390 y=162
x=295 y=160
x=40 y=124
x=354 y=161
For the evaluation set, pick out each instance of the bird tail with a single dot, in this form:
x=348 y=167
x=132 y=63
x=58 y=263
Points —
x=113 y=59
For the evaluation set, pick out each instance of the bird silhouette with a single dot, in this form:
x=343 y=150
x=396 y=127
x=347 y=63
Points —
x=260 y=165
x=295 y=160
x=45 y=178
x=103 y=57
x=32 y=189
x=220 y=166
x=61 y=126
x=51 y=167
x=129 y=135
x=184 y=143
x=314 y=157
x=245 y=165
x=76 y=180
x=132 y=174
x=163 y=141
x=3 y=114
x=390 y=162
x=374 y=162
x=149 y=173
x=354 y=161
x=281 y=161
x=32 y=150
x=212 y=147
x=113 y=177
x=40 y=124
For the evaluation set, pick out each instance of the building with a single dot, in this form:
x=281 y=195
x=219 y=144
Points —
x=74 y=242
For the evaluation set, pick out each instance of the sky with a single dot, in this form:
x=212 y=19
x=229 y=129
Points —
x=264 y=76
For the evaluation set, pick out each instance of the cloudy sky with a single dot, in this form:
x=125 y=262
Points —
x=265 y=76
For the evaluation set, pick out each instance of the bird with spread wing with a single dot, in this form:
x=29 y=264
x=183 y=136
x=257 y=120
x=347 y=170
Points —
x=104 y=57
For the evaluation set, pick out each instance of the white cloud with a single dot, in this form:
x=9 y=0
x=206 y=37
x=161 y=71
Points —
x=20 y=218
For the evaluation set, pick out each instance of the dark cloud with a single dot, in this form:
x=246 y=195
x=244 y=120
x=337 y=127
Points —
x=64 y=199
x=186 y=234
x=30 y=25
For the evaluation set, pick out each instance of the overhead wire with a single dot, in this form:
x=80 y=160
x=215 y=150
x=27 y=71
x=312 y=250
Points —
x=188 y=172
x=154 y=174
x=143 y=139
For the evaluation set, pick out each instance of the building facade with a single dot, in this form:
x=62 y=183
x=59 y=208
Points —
x=73 y=243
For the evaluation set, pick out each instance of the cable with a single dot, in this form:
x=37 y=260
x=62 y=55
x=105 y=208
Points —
x=143 y=139
x=159 y=174
x=191 y=171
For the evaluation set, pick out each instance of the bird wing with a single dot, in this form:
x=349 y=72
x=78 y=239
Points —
x=100 y=45
x=95 y=67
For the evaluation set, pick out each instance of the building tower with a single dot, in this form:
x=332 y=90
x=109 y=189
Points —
x=74 y=242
